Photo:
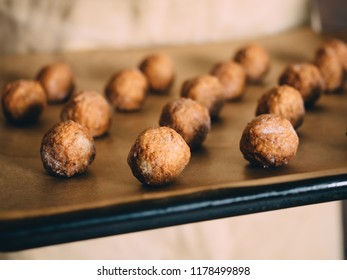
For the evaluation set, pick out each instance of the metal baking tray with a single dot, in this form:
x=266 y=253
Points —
x=38 y=210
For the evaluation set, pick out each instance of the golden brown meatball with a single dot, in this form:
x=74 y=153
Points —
x=340 y=48
x=331 y=69
x=206 y=90
x=269 y=141
x=127 y=90
x=67 y=149
x=285 y=101
x=190 y=119
x=57 y=80
x=158 y=156
x=90 y=109
x=306 y=78
x=233 y=78
x=23 y=101
x=159 y=70
x=255 y=60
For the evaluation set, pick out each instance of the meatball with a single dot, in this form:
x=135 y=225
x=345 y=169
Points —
x=340 y=48
x=67 y=149
x=255 y=60
x=57 y=80
x=23 y=101
x=206 y=90
x=90 y=109
x=233 y=78
x=269 y=141
x=306 y=78
x=159 y=70
x=158 y=156
x=285 y=101
x=127 y=90
x=190 y=119
x=331 y=69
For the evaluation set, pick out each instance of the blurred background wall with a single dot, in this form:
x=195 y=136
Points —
x=50 y=26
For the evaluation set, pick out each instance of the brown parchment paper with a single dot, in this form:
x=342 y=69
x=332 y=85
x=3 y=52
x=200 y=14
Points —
x=27 y=191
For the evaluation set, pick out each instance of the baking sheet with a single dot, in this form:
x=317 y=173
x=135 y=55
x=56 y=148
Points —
x=28 y=192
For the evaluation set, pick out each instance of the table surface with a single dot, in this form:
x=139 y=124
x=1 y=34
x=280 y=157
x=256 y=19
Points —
x=38 y=210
